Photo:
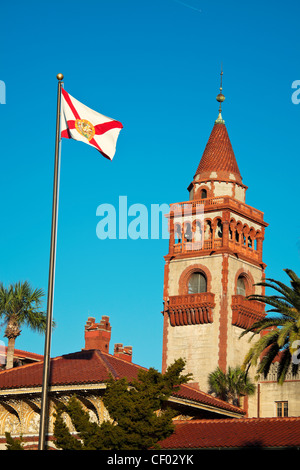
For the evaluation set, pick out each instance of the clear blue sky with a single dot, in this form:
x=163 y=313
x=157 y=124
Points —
x=154 y=65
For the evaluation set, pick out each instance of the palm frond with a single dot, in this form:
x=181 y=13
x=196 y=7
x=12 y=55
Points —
x=283 y=365
x=284 y=328
x=284 y=333
x=261 y=325
x=268 y=358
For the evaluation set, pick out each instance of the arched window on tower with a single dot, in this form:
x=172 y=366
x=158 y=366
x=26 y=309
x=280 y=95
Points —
x=197 y=283
x=188 y=233
x=177 y=233
x=241 y=286
x=219 y=229
x=198 y=232
x=203 y=194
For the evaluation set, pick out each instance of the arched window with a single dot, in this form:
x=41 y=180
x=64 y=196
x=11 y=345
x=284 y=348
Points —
x=177 y=233
x=198 y=232
x=219 y=229
x=241 y=287
x=203 y=194
x=188 y=233
x=197 y=283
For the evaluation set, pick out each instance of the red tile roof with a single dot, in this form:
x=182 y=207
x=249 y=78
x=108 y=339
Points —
x=234 y=433
x=20 y=354
x=84 y=367
x=91 y=367
x=189 y=393
x=218 y=155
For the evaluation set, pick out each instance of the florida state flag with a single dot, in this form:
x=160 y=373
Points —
x=81 y=123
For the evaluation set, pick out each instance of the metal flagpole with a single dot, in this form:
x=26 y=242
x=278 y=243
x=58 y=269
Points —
x=44 y=402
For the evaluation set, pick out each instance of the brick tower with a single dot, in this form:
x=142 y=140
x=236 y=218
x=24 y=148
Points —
x=214 y=260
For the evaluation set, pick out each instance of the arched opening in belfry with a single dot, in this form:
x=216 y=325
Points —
x=219 y=229
x=188 y=235
x=198 y=233
x=177 y=233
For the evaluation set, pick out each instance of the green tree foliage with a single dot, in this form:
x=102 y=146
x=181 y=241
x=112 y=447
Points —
x=281 y=332
x=13 y=444
x=138 y=410
x=230 y=386
x=20 y=305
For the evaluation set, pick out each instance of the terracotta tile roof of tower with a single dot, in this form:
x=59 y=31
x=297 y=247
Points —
x=218 y=155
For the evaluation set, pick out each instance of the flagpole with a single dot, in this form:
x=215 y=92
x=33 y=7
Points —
x=44 y=418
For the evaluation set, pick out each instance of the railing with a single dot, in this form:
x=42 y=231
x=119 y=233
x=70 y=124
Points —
x=237 y=247
x=246 y=312
x=196 y=246
x=215 y=244
x=191 y=309
x=184 y=208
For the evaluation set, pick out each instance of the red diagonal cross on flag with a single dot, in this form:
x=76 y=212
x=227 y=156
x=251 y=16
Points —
x=81 y=123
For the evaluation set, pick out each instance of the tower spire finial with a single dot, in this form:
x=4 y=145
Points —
x=220 y=98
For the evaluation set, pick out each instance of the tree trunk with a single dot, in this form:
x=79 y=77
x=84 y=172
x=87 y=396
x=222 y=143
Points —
x=12 y=331
x=10 y=353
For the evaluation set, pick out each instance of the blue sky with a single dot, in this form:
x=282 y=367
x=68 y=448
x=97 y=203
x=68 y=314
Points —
x=154 y=65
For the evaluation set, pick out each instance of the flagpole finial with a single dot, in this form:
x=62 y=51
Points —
x=220 y=98
x=59 y=76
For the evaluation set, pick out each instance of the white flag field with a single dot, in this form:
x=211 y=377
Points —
x=81 y=123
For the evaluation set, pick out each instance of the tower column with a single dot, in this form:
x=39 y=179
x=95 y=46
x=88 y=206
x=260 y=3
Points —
x=222 y=358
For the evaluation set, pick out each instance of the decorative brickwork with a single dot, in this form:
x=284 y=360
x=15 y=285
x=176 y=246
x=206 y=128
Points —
x=186 y=274
x=191 y=309
x=123 y=352
x=97 y=335
x=246 y=312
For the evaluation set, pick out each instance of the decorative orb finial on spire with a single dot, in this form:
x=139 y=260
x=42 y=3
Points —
x=220 y=98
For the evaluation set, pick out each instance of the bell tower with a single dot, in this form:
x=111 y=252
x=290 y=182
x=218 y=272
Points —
x=214 y=260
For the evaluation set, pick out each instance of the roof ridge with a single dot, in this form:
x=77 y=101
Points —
x=106 y=363
x=123 y=360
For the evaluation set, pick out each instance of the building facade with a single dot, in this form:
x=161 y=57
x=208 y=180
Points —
x=85 y=374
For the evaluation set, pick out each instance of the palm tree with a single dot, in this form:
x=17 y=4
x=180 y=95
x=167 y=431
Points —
x=217 y=382
x=230 y=386
x=239 y=384
x=281 y=332
x=20 y=305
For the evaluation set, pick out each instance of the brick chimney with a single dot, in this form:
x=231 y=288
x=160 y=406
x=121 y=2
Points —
x=123 y=352
x=97 y=335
